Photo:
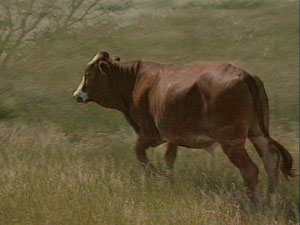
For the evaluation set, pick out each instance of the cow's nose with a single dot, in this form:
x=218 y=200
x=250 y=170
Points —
x=78 y=98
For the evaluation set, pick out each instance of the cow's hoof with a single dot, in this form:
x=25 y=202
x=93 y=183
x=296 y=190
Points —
x=151 y=170
x=256 y=205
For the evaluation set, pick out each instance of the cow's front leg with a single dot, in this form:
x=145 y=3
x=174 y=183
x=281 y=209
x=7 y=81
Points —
x=170 y=155
x=140 y=149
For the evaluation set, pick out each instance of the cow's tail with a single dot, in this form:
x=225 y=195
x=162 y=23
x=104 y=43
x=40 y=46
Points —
x=261 y=106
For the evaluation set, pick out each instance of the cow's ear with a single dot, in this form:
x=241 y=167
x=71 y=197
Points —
x=103 y=66
x=116 y=58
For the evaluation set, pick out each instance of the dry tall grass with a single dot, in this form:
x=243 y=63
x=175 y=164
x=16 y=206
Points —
x=47 y=179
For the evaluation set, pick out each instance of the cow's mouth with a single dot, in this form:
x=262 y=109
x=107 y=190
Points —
x=81 y=98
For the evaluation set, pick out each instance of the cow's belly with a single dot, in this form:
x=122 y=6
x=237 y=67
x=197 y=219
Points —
x=190 y=141
x=187 y=132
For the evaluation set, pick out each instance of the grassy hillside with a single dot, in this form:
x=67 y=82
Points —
x=64 y=163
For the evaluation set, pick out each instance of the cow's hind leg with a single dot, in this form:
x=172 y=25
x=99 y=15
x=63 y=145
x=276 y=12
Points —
x=170 y=155
x=270 y=158
x=236 y=152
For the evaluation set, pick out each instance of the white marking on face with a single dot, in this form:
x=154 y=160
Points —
x=80 y=93
x=79 y=89
x=94 y=59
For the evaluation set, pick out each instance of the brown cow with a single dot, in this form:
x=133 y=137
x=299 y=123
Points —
x=191 y=106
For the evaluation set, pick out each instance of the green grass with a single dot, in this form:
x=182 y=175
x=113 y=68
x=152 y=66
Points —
x=63 y=163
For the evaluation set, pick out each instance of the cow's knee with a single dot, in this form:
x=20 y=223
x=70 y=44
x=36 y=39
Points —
x=170 y=155
x=140 y=149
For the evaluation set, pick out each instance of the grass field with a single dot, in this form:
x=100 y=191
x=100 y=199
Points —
x=64 y=163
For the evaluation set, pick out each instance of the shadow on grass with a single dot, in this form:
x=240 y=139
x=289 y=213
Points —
x=6 y=113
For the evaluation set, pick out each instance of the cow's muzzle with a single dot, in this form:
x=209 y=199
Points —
x=81 y=97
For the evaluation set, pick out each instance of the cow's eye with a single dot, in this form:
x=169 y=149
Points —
x=88 y=74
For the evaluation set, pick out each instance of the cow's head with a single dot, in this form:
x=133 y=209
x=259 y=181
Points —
x=95 y=85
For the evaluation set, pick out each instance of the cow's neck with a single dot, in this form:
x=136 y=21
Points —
x=123 y=80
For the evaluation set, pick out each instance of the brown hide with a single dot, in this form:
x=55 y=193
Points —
x=192 y=106
x=181 y=103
